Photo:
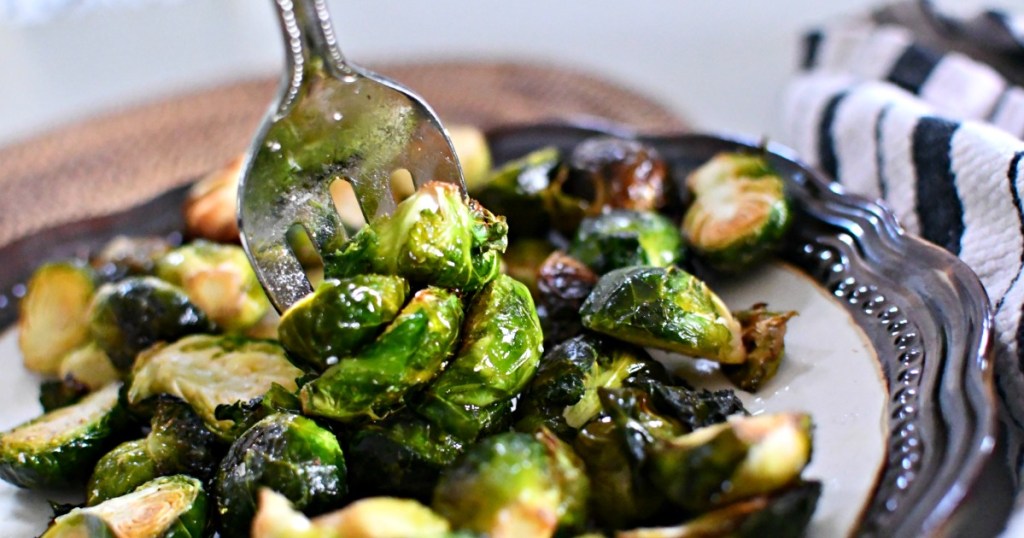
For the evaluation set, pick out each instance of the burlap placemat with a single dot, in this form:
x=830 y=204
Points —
x=114 y=161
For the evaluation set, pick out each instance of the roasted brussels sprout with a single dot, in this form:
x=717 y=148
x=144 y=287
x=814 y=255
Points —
x=620 y=495
x=764 y=335
x=563 y=283
x=621 y=238
x=120 y=471
x=288 y=453
x=407 y=355
x=60 y=447
x=743 y=457
x=90 y=366
x=403 y=456
x=562 y=396
x=129 y=256
x=501 y=347
x=739 y=213
x=379 y=517
x=209 y=371
x=781 y=515
x=433 y=237
x=218 y=279
x=130 y=315
x=623 y=173
x=514 y=484
x=178 y=442
x=53 y=317
x=527 y=191
x=523 y=258
x=665 y=308
x=166 y=507
x=340 y=317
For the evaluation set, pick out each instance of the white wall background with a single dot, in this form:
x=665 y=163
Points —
x=722 y=63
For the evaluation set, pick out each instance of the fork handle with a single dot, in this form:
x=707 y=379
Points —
x=309 y=40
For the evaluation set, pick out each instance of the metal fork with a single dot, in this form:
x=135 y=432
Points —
x=332 y=121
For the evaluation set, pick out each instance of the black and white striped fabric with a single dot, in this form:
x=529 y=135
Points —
x=934 y=132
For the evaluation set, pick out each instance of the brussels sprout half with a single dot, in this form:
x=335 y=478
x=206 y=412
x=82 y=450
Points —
x=288 y=453
x=210 y=371
x=501 y=347
x=665 y=308
x=166 y=507
x=741 y=458
x=782 y=514
x=130 y=315
x=53 y=317
x=621 y=238
x=740 y=212
x=514 y=484
x=433 y=237
x=409 y=354
x=90 y=366
x=378 y=517
x=340 y=317
x=60 y=447
x=218 y=279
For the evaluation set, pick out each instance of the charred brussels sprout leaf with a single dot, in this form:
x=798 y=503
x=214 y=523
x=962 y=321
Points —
x=692 y=408
x=135 y=313
x=166 y=507
x=743 y=457
x=666 y=308
x=219 y=280
x=407 y=355
x=740 y=212
x=209 y=371
x=622 y=238
x=622 y=173
x=60 y=447
x=563 y=283
x=53 y=317
x=433 y=237
x=287 y=453
x=402 y=456
x=562 y=396
x=513 y=484
x=501 y=348
x=764 y=335
x=781 y=515
x=340 y=317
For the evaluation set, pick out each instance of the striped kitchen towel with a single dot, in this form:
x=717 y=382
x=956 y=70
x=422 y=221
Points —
x=927 y=113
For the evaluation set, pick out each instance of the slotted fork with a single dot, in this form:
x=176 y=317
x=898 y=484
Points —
x=332 y=121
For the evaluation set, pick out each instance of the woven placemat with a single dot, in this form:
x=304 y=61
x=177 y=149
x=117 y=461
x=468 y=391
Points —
x=115 y=161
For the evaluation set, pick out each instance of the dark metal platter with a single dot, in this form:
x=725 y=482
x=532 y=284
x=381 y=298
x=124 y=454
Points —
x=925 y=313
